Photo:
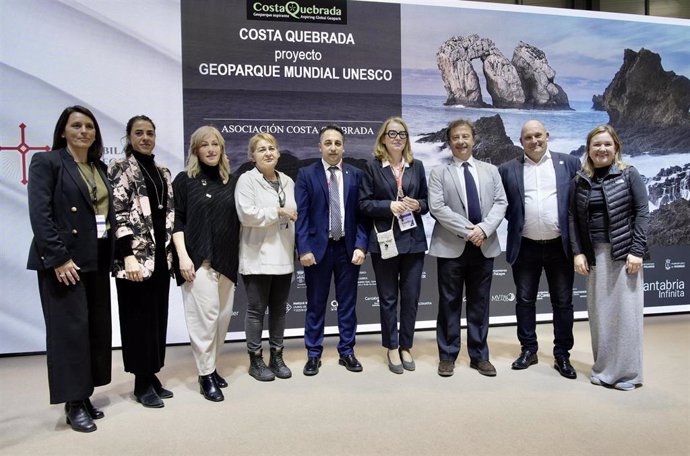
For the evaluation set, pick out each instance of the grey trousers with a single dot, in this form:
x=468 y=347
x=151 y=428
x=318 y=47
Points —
x=266 y=292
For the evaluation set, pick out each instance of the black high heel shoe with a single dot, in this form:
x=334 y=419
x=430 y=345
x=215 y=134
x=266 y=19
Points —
x=78 y=417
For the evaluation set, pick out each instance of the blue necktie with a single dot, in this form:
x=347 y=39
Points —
x=474 y=212
x=334 y=205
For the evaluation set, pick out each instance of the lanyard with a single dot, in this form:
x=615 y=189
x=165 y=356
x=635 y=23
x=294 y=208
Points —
x=91 y=182
x=398 y=175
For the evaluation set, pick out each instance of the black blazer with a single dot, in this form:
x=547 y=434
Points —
x=512 y=175
x=379 y=189
x=62 y=215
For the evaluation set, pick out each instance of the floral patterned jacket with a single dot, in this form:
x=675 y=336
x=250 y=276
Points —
x=133 y=214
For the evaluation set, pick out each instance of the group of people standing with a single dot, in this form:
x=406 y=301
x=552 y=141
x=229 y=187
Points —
x=132 y=220
x=91 y=221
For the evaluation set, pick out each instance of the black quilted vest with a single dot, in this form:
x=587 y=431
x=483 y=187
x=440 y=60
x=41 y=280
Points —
x=619 y=205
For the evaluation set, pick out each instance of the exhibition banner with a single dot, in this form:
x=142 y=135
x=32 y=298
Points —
x=290 y=67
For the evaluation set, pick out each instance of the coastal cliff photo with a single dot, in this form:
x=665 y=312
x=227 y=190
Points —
x=571 y=73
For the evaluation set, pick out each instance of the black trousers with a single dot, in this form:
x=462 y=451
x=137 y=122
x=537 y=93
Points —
x=143 y=310
x=78 y=334
x=534 y=258
x=472 y=272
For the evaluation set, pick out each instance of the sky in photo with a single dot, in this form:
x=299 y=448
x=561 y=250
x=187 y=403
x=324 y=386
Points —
x=585 y=52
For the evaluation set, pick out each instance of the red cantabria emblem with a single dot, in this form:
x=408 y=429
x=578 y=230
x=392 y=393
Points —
x=23 y=148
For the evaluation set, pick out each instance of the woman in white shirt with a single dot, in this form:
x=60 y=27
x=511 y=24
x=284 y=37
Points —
x=266 y=207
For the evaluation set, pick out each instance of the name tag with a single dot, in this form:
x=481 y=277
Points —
x=101 y=232
x=406 y=221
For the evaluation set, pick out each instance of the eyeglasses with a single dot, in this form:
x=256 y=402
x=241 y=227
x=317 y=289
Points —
x=392 y=134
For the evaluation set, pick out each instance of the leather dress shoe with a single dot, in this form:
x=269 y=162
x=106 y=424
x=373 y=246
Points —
x=446 y=368
x=150 y=398
x=78 y=417
x=93 y=412
x=563 y=366
x=484 y=367
x=350 y=363
x=395 y=368
x=209 y=388
x=525 y=360
x=312 y=366
x=220 y=381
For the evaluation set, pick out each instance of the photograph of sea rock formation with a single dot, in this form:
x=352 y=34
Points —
x=572 y=75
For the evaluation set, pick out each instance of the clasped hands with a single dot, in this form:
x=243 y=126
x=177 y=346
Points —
x=287 y=213
x=404 y=205
x=476 y=235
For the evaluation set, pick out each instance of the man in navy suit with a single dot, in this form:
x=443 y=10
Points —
x=331 y=242
x=538 y=189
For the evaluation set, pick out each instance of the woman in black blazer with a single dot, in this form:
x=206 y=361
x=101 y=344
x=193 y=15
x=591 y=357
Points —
x=394 y=195
x=70 y=206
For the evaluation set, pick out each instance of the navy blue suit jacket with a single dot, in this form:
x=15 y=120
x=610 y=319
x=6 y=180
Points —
x=379 y=188
x=311 y=227
x=512 y=175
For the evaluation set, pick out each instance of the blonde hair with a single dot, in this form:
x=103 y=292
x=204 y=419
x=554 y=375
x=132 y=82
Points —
x=200 y=134
x=254 y=141
x=380 y=151
x=588 y=164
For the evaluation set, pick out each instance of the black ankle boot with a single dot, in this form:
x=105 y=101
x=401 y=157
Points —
x=145 y=392
x=258 y=368
x=277 y=365
x=220 y=381
x=150 y=398
x=162 y=392
x=78 y=417
x=209 y=388
x=93 y=411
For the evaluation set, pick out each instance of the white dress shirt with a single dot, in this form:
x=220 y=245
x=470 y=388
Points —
x=541 y=199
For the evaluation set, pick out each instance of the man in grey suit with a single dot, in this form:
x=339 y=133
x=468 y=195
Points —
x=538 y=187
x=467 y=199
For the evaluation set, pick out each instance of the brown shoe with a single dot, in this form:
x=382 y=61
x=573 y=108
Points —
x=446 y=368
x=484 y=368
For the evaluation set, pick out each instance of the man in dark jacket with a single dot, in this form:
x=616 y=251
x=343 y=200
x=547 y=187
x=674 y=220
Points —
x=537 y=185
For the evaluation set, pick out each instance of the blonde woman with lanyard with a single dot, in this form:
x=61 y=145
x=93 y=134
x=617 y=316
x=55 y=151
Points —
x=394 y=195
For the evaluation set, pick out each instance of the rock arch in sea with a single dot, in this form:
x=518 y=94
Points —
x=526 y=82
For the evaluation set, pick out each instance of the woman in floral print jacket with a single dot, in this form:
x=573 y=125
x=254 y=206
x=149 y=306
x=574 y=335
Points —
x=143 y=202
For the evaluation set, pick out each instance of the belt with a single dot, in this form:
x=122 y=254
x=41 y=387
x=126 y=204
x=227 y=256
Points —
x=556 y=240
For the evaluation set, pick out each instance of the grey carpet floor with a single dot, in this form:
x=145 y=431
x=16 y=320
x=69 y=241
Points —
x=376 y=412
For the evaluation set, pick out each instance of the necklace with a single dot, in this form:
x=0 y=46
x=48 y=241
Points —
x=155 y=189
